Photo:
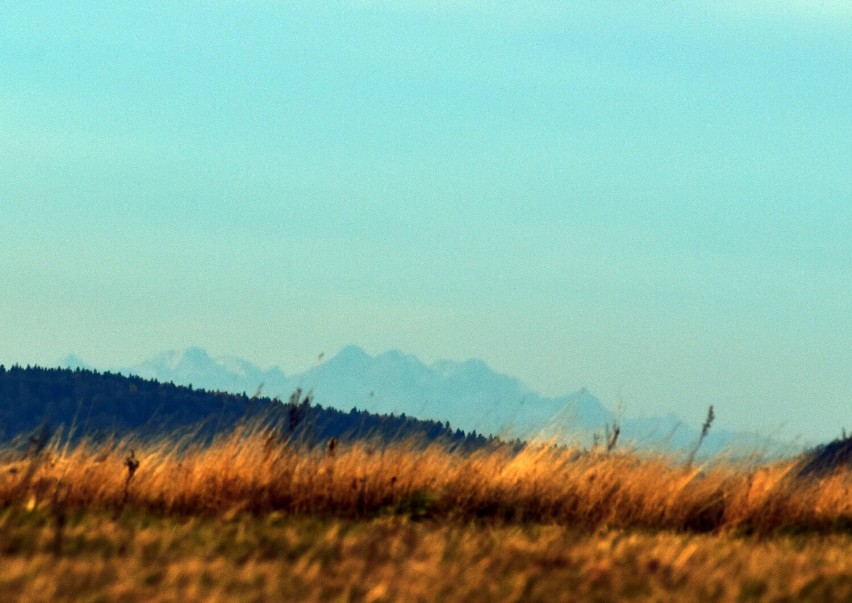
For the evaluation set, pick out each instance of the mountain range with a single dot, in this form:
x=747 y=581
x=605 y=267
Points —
x=469 y=395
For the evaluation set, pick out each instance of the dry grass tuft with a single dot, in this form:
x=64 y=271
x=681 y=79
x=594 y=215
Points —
x=253 y=472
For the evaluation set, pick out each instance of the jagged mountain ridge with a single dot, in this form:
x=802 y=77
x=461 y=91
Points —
x=469 y=395
x=228 y=374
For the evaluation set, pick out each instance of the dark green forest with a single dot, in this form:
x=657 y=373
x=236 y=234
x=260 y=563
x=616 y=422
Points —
x=73 y=404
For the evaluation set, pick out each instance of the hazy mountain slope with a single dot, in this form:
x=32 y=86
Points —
x=469 y=395
x=195 y=367
x=73 y=361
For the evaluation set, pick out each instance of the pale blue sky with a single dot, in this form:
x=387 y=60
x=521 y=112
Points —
x=650 y=199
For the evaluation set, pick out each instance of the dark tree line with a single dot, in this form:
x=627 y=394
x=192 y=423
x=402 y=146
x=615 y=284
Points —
x=83 y=403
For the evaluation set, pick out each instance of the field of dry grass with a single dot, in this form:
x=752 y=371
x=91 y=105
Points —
x=279 y=558
x=252 y=518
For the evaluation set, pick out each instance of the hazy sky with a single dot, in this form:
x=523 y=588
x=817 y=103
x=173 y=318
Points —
x=650 y=199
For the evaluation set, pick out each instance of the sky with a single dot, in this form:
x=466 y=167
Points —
x=649 y=199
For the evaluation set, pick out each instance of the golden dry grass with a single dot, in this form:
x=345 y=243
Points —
x=253 y=472
x=281 y=558
x=251 y=518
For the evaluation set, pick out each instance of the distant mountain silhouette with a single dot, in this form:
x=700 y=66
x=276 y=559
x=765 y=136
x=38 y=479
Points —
x=469 y=395
x=194 y=366
x=72 y=361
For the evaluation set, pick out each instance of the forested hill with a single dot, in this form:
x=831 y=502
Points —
x=88 y=403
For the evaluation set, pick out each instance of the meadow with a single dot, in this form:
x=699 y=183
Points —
x=257 y=518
